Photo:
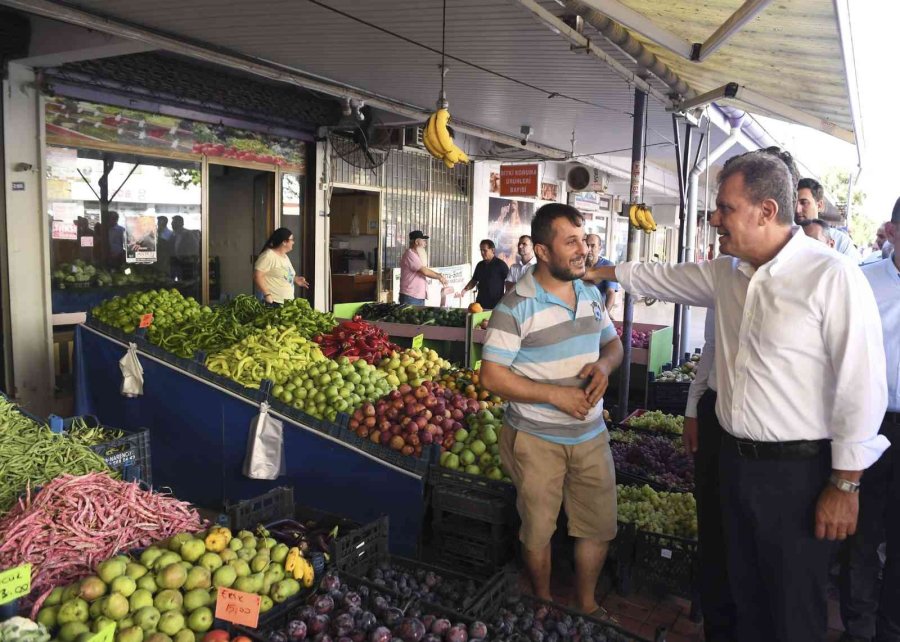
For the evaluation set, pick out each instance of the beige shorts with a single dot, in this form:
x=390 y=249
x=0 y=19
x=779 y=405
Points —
x=547 y=475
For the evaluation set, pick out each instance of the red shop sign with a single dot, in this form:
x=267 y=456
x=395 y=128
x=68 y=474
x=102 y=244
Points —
x=519 y=180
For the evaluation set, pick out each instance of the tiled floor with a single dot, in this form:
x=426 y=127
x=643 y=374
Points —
x=644 y=614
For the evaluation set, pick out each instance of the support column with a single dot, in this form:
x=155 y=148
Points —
x=26 y=262
x=637 y=172
x=684 y=168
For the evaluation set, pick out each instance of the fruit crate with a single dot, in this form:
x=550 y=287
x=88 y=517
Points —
x=269 y=626
x=473 y=505
x=504 y=592
x=665 y=562
x=440 y=477
x=418 y=465
x=364 y=550
x=668 y=396
x=128 y=455
x=625 y=425
x=469 y=549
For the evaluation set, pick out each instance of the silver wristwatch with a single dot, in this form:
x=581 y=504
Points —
x=844 y=484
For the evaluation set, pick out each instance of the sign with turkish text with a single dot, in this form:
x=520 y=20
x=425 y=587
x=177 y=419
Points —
x=519 y=180
x=15 y=583
x=237 y=607
x=64 y=231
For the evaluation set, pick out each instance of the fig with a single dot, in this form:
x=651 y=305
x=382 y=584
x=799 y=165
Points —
x=381 y=634
x=296 y=630
x=412 y=629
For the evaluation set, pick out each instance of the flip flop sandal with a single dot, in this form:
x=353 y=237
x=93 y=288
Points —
x=603 y=615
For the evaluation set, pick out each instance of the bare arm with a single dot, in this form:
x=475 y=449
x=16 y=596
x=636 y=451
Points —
x=611 y=356
x=471 y=284
x=504 y=382
x=610 y=299
x=259 y=282
x=602 y=273
x=431 y=274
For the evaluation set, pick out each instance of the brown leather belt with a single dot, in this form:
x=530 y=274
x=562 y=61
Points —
x=749 y=449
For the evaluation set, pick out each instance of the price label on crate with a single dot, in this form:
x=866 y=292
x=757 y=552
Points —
x=417 y=341
x=146 y=320
x=477 y=365
x=666 y=553
x=237 y=607
x=105 y=634
x=15 y=583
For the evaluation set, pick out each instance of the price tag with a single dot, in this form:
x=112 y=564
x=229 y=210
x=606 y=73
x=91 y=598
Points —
x=237 y=607
x=666 y=553
x=15 y=583
x=417 y=341
x=146 y=320
x=478 y=365
x=106 y=634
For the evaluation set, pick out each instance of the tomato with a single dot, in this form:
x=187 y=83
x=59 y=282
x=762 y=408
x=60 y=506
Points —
x=216 y=635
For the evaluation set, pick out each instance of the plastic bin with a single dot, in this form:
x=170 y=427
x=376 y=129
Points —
x=129 y=455
x=668 y=396
x=440 y=477
x=665 y=562
x=625 y=425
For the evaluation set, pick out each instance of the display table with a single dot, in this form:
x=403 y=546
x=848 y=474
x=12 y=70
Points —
x=199 y=431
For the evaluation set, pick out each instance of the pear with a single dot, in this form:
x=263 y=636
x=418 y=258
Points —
x=139 y=599
x=123 y=585
x=279 y=552
x=227 y=555
x=200 y=620
x=259 y=563
x=240 y=567
x=165 y=560
x=69 y=631
x=150 y=555
x=265 y=603
x=210 y=561
x=225 y=576
x=168 y=600
x=185 y=635
x=246 y=554
x=192 y=549
x=75 y=610
x=148 y=583
x=171 y=622
x=111 y=569
x=100 y=623
x=147 y=618
x=197 y=577
x=91 y=588
x=135 y=571
x=47 y=616
x=196 y=598
x=55 y=597
x=172 y=576
x=70 y=592
x=158 y=637
x=131 y=634
x=116 y=606
x=177 y=540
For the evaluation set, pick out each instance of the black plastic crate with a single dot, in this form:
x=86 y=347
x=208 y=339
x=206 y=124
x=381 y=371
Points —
x=417 y=465
x=275 y=505
x=128 y=455
x=474 y=504
x=440 y=477
x=505 y=589
x=668 y=396
x=665 y=562
x=471 y=552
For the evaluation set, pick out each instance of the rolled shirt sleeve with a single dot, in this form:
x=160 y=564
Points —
x=855 y=343
x=685 y=283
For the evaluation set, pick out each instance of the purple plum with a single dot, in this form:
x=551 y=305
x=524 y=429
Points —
x=478 y=630
x=343 y=625
x=412 y=629
x=392 y=616
x=440 y=626
x=330 y=582
x=318 y=624
x=457 y=633
x=296 y=630
x=324 y=604
x=381 y=634
x=352 y=599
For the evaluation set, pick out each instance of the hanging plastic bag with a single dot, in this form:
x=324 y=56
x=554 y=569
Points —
x=132 y=373
x=265 y=446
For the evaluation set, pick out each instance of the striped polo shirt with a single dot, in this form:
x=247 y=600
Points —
x=540 y=337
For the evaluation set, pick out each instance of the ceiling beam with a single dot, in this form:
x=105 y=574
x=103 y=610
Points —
x=744 y=14
x=581 y=42
x=265 y=69
x=639 y=23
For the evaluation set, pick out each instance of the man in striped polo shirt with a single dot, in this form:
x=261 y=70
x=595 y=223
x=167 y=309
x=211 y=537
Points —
x=550 y=349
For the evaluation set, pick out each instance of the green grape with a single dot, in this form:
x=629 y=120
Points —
x=658 y=512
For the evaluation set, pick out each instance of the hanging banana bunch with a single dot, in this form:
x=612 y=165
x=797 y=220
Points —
x=438 y=141
x=641 y=217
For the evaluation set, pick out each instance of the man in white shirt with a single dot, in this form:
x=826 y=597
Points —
x=867 y=613
x=810 y=204
x=801 y=396
x=527 y=260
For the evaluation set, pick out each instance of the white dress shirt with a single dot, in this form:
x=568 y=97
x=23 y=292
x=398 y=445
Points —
x=799 y=352
x=705 y=374
x=884 y=277
x=518 y=269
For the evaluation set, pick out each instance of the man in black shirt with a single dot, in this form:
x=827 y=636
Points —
x=489 y=276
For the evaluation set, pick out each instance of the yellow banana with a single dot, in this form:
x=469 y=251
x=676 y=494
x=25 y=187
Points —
x=640 y=215
x=649 y=216
x=433 y=136
x=453 y=155
x=449 y=163
x=632 y=215
x=428 y=140
x=441 y=118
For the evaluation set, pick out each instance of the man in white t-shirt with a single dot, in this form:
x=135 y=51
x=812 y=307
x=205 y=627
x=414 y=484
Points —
x=526 y=260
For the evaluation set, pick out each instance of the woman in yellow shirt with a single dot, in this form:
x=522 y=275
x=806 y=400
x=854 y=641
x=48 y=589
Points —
x=273 y=273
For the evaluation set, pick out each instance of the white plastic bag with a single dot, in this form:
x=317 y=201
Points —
x=132 y=373
x=265 y=446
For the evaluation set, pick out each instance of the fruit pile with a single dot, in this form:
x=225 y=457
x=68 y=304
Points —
x=419 y=584
x=276 y=353
x=210 y=331
x=476 y=450
x=407 y=419
x=414 y=315
x=657 y=459
x=658 y=421
x=658 y=512
x=684 y=373
x=639 y=339
x=467 y=382
x=413 y=366
x=300 y=314
x=168 y=594
x=329 y=387
x=358 y=339
x=168 y=308
x=367 y=614
x=522 y=618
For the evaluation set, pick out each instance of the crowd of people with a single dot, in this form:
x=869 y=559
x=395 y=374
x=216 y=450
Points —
x=790 y=419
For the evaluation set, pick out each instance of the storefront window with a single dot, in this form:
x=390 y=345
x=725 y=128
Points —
x=619 y=251
x=119 y=223
x=292 y=216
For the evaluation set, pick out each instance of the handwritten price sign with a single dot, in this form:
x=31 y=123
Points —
x=417 y=341
x=15 y=583
x=237 y=607
x=106 y=634
x=146 y=320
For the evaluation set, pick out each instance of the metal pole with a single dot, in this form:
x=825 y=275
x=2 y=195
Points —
x=685 y=167
x=637 y=170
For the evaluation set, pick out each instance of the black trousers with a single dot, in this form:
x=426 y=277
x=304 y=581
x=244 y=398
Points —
x=719 y=614
x=777 y=569
x=870 y=611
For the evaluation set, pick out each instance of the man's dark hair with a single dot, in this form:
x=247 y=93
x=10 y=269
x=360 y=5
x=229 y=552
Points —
x=895 y=216
x=787 y=159
x=487 y=242
x=525 y=236
x=765 y=176
x=542 y=223
x=815 y=188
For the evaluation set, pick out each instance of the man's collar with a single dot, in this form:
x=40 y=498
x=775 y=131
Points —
x=798 y=241
x=529 y=288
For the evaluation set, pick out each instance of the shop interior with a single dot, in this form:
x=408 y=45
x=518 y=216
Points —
x=354 y=243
